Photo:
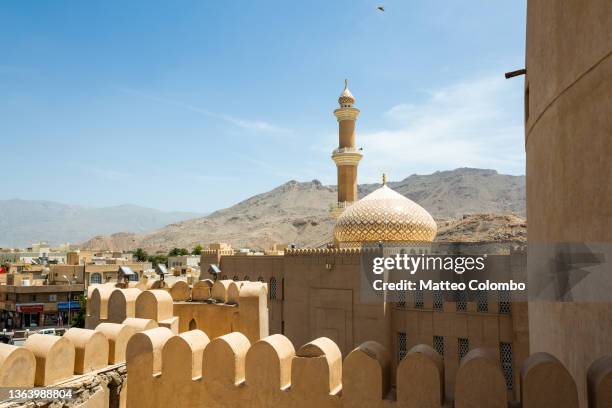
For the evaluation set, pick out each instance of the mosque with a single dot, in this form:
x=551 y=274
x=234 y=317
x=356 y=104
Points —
x=321 y=292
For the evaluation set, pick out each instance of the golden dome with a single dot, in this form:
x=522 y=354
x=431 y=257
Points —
x=385 y=215
x=346 y=97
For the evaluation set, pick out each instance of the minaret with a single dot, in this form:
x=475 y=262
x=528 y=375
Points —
x=346 y=156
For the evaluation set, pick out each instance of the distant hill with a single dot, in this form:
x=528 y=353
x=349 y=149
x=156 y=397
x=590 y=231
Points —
x=298 y=212
x=23 y=222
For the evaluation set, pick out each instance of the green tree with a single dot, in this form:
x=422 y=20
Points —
x=178 y=252
x=141 y=255
x=197 y=250
x=78 y=320
x=158 y=259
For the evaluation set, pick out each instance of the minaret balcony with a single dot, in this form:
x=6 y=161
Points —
x=347 y=156
x=346 y=113
x=338 y=208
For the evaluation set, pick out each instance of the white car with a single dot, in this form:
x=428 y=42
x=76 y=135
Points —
x=48 y=331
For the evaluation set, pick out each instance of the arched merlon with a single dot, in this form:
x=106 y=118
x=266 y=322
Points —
x=224 y=359
x=17 y=366
x=219 y=290
x=154 y=304
x=144 y=353
x=97 y=303
x=91 y=349
x=180 y=291
x=182 y=356
x=54 y=358
x=118 y=336
x=599 y=382
x=201 y=290
x=317 y=368
x=421 y=374
x=122 y=304
x=365 y=375
x=545 y=383
x=268 y=363
x=480 y=382
x=140 y=325
x=253 y=311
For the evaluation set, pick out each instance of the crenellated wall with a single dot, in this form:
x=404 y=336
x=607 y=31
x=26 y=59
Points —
x=190 y=370
x=196 y=369
x=217 y=308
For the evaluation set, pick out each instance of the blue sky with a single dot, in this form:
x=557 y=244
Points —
x=195 y=105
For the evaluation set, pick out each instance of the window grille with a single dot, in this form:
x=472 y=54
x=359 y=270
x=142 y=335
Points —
x=95 y=278
x=460 y=300
x=418 y=299
x=482 y=301
x=401 y=299
x=464 y=347
x=438 y=300
x=505 y=302
x=272 y=288
x=438 y=345
x=402 y=346
x=505 y=356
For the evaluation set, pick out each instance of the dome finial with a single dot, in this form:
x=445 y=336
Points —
x=346 y=97
x=384 y=179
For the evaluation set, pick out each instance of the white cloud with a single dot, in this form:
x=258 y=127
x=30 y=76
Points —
x=475 y=123
x=246 y=124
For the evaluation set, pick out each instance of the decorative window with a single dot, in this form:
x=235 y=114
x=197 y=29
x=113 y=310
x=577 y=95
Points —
x=418 y=299
x=463 y=347
x=95 y=278
x=505 y=356
x=482 y=302
x=401 y=299
x=460 y=300
x=272 y=288
x=438 y=345
x=505 y=302
x=438 y=300
x=402 y=346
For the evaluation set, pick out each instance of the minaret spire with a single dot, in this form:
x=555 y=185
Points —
x=346 y=156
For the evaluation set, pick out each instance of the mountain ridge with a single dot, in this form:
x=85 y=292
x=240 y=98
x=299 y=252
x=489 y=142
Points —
x=23 y=222
x=298 y=212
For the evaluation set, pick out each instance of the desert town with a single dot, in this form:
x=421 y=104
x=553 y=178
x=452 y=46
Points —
x=292 y=326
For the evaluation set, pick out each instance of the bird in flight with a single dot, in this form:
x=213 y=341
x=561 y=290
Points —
x=381 y=8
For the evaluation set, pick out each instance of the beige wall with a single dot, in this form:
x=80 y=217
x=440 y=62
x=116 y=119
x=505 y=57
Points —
x=569 y=147
x=313 y=301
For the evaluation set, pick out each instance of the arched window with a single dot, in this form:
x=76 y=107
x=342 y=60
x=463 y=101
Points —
x=95 y=278
x=246 y=278
x=192 y=324
x=272 y=288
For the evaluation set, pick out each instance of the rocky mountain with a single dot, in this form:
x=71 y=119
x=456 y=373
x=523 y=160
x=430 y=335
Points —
x=23 y=222
x=298 y=212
